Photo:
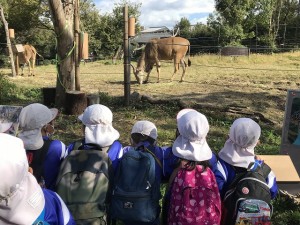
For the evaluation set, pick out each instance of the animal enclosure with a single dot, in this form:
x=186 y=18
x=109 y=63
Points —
x=245 y=86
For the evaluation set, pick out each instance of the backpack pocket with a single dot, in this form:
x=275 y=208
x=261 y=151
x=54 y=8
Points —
x=135 y=206
x=253 y=211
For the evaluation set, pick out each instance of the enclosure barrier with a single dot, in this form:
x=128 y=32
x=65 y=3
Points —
x=235 y=51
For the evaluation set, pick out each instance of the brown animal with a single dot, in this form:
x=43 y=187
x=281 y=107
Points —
x=163 y=49
x=26 y=57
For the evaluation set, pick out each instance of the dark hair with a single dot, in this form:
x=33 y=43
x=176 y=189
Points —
x=191 y=165
x=138 y=137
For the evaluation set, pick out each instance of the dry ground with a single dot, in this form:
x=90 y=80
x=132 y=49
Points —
x=255 y=84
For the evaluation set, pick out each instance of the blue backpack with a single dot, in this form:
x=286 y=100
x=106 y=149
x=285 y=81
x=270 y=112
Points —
x=136 y=191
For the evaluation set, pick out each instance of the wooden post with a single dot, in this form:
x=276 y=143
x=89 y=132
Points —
x=76 y=34
x=126 y=59
x=76 y=102
x=10 y=52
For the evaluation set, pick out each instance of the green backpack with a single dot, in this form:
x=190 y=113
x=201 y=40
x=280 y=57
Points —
x=83 y=184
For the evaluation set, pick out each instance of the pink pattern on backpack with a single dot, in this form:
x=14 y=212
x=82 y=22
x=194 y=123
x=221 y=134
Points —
x=195 y=198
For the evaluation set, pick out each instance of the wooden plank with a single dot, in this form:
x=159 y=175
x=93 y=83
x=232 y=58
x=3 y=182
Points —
x=283 y=167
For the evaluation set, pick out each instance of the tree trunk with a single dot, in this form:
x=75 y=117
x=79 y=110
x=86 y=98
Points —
x=10 y=52
x=63 y=21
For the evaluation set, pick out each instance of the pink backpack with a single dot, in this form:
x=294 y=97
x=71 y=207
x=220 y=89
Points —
x=195 y=198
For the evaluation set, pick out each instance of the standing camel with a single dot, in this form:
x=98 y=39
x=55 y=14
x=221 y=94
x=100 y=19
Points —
x=172 y=48
x=28 y=56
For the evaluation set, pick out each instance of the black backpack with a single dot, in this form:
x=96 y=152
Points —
x=36 y=159
x=248 y=198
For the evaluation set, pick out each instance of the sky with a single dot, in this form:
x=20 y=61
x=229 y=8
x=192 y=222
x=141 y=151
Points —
x=165 y=12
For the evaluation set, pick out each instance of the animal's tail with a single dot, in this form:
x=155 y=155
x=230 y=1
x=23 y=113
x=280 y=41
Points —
x=40 y=55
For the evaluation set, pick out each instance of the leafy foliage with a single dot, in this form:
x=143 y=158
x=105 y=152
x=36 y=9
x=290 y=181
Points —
x=11 y=94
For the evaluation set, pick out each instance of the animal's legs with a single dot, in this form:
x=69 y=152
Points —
x=158 y=71
x=29 y=68
x=33 y=64
x=184 y=67
x=17 y=65
x=147 y=77
x=22 y=67
x=176 y=68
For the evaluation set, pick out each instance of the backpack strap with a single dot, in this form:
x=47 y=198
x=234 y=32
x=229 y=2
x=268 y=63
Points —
x=264 y=171
x=155 y=157
x=80 y=145
x=77 y=144
x=36 y=159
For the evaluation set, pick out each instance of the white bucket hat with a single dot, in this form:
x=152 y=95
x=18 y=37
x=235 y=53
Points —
x=98 y=121
x=145 y=127
x=4 y=126
x=21 y=197
x=9 y=117
x=191 y=143
x=239 y=148
x=31 y=120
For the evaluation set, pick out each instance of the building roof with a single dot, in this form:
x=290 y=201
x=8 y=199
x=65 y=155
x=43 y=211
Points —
x=152 y=32
x=156 y=30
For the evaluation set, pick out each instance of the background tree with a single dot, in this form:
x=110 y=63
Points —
x=232 y=16
x=90 y=22
x=112 y=27
x=184 y=27
x=63 y=20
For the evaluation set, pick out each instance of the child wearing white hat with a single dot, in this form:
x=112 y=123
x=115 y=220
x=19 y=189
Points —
x=238 y=152
x=99 y=132
x=44 y=154
x=143 y=138
x=22 y=200
x=193 y=174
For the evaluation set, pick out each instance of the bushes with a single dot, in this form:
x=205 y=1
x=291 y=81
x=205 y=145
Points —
x=11 y=94
x=286 y=211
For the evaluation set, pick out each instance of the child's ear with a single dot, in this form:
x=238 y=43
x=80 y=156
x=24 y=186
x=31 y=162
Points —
x=30 y=170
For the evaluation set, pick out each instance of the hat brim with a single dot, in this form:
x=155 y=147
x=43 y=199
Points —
x=102 y=135
x=5 y=127
x=54 y=113
x=237 y=156
x=193 y=151
x=33 y=139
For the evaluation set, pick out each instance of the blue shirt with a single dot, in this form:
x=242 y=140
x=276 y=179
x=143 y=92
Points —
x=56 y=153
x=55 y=211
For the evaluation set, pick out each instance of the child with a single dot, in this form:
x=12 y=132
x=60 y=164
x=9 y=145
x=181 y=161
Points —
x=91 y=161
x=44 y=155
x=194 y=193
x=143 y=139
x=237 y=159
x=99 y=132
x=238 y=153
x=22 y=200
